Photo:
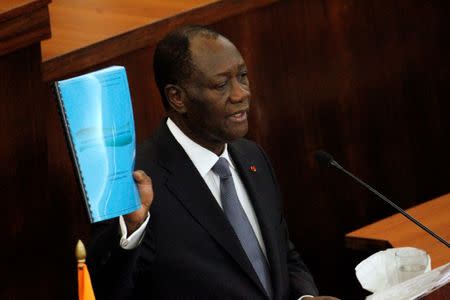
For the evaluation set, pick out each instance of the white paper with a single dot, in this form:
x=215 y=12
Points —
x=379 y=271
x=416 y=287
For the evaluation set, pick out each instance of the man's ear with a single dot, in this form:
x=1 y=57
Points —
x=176 y=97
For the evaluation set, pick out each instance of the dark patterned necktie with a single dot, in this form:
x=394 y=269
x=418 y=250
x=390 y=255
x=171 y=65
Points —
x=236 y=215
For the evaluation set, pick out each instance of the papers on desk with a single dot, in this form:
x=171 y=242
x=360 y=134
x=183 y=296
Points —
x=380 y=271
x=383 y=273
x=416 y=287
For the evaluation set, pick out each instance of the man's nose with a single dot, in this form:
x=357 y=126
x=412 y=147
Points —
x=239 y=92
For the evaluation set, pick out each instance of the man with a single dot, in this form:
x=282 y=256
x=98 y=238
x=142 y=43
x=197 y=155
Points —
x=215 y=228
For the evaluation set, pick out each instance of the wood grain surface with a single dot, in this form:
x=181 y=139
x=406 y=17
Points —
x=77 y=24
x=398 y=231
x=94 y=33
x=22 y=23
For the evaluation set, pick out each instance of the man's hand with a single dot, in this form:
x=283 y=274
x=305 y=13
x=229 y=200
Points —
x=135 y=219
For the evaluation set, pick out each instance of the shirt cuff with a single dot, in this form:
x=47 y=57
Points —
x=134 y=239
x=305 y=297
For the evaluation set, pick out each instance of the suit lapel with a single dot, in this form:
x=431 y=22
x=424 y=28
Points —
x=251 y=174
x=190 y=189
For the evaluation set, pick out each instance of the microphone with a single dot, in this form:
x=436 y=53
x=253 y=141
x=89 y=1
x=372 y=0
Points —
x=326 y=160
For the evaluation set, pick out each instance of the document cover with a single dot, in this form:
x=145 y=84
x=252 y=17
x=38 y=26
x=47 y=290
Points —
x=98 y=118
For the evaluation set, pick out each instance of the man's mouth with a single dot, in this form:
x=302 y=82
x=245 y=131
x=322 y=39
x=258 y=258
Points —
x=239 y=116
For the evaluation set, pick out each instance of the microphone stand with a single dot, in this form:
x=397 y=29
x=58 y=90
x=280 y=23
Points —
x=335 y=164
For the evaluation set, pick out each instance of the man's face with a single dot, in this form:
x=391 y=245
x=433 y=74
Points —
x=218 y=92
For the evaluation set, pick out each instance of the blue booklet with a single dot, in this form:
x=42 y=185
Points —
x=98 y=119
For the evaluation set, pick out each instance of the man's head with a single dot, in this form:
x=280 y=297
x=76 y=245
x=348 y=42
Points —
x=203 y=81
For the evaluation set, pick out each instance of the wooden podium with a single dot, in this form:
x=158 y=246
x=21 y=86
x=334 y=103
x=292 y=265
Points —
x=398 y=231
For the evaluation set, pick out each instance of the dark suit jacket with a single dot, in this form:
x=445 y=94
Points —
x=190 y=250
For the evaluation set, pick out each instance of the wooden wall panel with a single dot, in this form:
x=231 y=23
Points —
x=29 y=247
x=29 y=239
x=366 y=80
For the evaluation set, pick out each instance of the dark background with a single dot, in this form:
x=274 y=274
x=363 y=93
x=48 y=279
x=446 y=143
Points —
x=366 y=80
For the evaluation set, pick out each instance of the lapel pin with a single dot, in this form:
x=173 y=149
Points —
x=253 y=168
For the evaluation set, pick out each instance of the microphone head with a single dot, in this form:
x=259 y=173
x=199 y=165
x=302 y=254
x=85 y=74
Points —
x=324 y=158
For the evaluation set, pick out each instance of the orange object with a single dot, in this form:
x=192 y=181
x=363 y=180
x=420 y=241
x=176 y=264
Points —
x=85 y=291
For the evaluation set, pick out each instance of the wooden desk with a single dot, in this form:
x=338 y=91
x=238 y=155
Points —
x=77 y=24
x=22 y=23
x=93 y=32
x=398 y=231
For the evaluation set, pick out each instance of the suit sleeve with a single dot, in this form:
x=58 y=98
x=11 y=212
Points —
x=301 y=281
x=115 y=272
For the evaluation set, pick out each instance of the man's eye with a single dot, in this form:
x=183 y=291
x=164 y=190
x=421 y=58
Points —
x=243 y=75
x=221 y=85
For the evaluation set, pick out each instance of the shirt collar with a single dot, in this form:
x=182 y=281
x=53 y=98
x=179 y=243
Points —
x=202 y=158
